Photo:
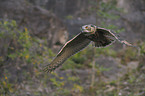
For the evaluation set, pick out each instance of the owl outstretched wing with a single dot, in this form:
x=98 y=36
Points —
x=101 y=38
x=107 y=37
x=71 y=47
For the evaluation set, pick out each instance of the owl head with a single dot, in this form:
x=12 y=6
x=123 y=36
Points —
x=89 y=28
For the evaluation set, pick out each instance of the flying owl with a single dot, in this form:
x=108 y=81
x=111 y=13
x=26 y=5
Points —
x=101 y=37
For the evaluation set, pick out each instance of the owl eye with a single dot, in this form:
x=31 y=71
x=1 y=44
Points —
x=86 y=27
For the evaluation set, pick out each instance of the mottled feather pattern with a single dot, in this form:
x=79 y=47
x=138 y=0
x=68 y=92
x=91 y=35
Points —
x=105 y=38
x=70 y=48
x=112 y=36
x=100 y=36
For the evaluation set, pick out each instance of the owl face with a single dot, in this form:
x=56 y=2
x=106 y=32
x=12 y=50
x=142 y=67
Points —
x=89 y=28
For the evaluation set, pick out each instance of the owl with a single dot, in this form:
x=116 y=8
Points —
x=101 y=37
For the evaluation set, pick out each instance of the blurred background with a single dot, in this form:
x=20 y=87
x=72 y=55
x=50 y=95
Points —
x=33 y=31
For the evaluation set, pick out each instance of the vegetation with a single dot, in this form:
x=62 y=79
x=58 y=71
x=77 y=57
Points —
x=25 y=55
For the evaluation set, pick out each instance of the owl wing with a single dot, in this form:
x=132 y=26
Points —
x=70 y=48
x=109 y=36
x=101 y=38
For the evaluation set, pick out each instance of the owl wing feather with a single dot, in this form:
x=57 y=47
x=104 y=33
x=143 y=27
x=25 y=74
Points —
x=101 y=38
x=70 y=48
x=111 y=36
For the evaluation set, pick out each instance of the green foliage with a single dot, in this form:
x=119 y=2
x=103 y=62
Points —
x=102 y=69
x=6 y=27
x=107 y=51
x=26 y=56
x=24 y=53
x=78 y=88
x=5 y=86
x=129 y=54
x=57 y=83
x=142 y=49
x=69 y=17
x=107 y=15
x=108 y=11
x=20 y=39
x=73 y=78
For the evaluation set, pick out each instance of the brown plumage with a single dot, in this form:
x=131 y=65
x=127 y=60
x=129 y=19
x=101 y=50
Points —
x=71 y=47
x=100 y=36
